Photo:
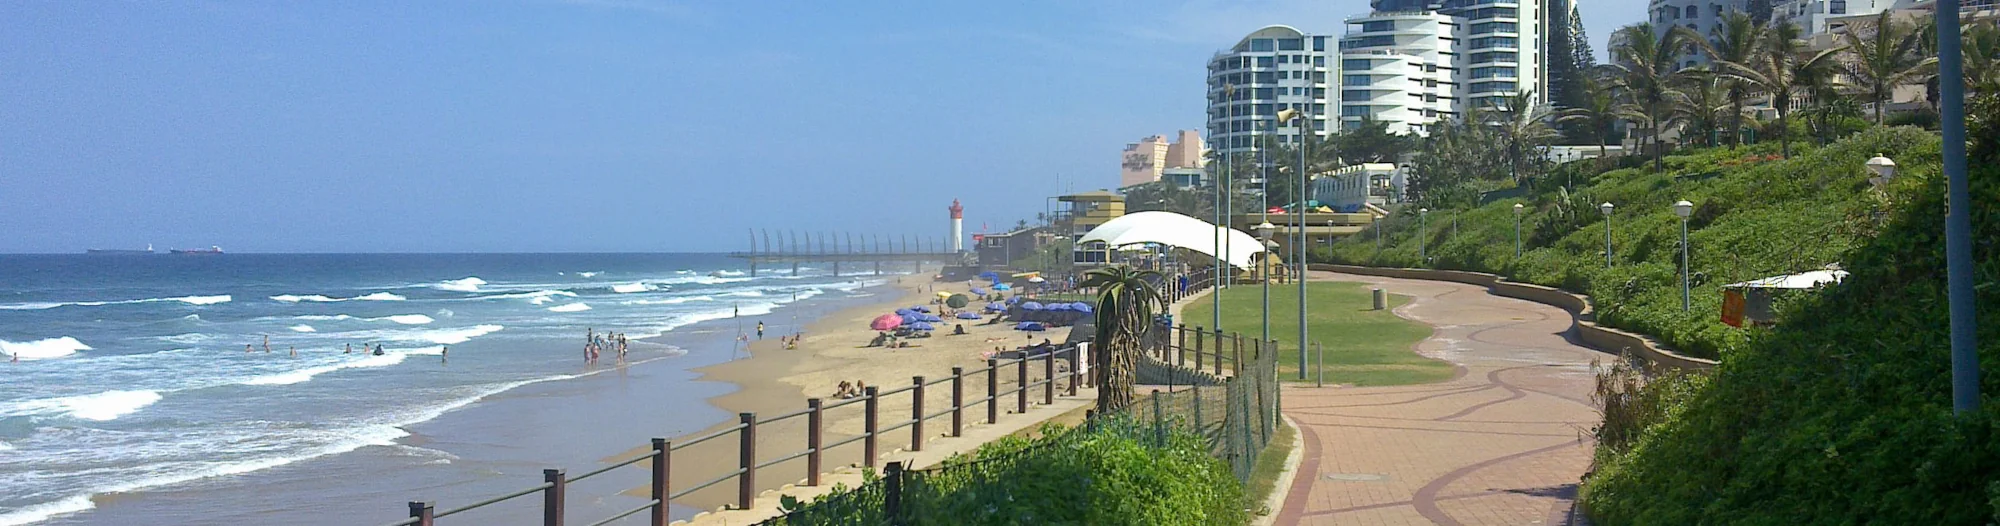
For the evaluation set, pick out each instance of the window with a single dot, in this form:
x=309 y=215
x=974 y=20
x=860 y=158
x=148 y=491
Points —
x=1319 y=62
x=1494 y=12
x=1266 y=62
x=1490 y=72
x=1262 y=44
x=1284 y=59
x=1495 y=27
x=1430 y=83
x=1693 y=12
x=1266 y=77
x=1489 y=87
x=1494 y=56
x=1354 y=111
x=1319 y=43
x=1356 y=64
x=1354 y=80
x=1356 y=95
x=1377 y=27
x=1492 y=42
x=1264 y=93
x=1291 y=44
x=1430 y=98
x=1838 y=7
x=1374 y=41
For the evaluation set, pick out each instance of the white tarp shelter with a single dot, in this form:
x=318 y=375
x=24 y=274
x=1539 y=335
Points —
x=1804 y=280
x=1176 y=230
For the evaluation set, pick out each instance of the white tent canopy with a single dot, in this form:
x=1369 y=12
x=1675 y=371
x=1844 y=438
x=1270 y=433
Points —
x=1175 y=230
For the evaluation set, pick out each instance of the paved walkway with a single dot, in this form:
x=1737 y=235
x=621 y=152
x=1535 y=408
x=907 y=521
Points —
x=1503 y=442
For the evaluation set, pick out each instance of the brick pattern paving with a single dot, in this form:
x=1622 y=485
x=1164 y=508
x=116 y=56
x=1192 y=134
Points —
x=1503 y=442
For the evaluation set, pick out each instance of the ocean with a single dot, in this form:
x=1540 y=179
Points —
x=132 y=375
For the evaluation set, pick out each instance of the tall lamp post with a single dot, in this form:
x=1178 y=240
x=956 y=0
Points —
x=1957 y=219
x=1517 y=230
x=1423 y=237
x=1606 y=209
x=1684 y=209
x=1299 y=196
x=1264 y=231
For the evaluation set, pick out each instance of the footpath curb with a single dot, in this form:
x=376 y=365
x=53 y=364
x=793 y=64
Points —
x=1583 y=318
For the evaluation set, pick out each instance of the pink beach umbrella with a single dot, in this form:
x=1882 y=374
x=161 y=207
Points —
x=886 y=322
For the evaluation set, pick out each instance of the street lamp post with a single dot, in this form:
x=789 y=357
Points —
x=1299 y=227
x=1606 y=209
x=1517 y=230
x=1883 y=170
x=1264 y=231
x=1958 y=213
x=1423 y=237
x=1684 y=209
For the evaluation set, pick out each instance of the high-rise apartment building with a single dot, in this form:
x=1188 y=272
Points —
x=1411 y=63
x=1815 y=17
x=1700 y=16
x=1144 y=161
x=1272 y=69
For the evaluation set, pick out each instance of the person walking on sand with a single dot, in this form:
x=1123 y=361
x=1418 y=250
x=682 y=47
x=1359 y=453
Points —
x=760 y=330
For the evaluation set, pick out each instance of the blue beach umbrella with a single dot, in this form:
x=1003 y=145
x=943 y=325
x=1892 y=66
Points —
x=1031 y=326
x=1002 y=286
x=904 y=312
x=1082 y=307
x=921 y=309
x=978 y=291
x=921 y=326
x=996 y=306
x=1013 y=300
x=1029 y=305
x=968 y=315
x=932 y=318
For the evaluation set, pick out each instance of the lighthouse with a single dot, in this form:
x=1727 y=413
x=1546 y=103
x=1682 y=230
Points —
x=957 y=227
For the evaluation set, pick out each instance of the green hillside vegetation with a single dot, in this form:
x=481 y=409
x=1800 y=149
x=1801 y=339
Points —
x=1838 y=415
x=1755 y=216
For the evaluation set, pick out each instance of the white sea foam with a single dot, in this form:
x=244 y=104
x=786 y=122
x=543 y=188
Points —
x=316 y=298
x=303 y=328
x=671 y=301
x=729 y=273
x=408 y=319
x=44 y=511
x=746 y=294
x=589 y=274
x=190 y=300
x=531 y=296
x=303 y=375
x=467 y=284
x=628 y=288
x=459 y=335
x=108 y=405
x=571 y=307
x=43 y=349
x=538 y=300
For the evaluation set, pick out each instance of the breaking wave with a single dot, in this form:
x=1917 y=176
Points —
x=43 y=349
x=572 y=307
x=467 y=284
x=316 y=298
x=190 y=300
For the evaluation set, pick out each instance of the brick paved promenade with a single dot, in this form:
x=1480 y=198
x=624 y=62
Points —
x=1504 y=442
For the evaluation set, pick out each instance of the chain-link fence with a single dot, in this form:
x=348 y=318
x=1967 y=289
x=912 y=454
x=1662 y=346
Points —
x=1230 y=398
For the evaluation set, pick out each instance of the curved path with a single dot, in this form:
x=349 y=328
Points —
x=1503 y=442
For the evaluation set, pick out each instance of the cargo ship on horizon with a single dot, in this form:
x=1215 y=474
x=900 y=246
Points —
x=212 y=250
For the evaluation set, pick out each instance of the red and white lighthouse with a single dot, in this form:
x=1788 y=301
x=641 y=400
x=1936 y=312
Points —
x=957 y=227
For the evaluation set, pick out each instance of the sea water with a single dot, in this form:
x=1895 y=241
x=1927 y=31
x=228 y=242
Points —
x=133 y=374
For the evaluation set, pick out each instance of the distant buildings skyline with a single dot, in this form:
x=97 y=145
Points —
x=1145 y=161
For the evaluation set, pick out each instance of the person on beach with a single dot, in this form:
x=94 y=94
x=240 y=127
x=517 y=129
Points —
x=378 y=349
x=293 y=350
x=444 y=355
x=348 y=350
x=246 y=348
x=760 y=330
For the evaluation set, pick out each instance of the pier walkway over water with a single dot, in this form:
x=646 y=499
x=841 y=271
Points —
x=827 y=248
x=1504 y=442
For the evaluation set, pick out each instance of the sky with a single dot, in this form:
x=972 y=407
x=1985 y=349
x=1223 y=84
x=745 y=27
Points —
x=587 y=125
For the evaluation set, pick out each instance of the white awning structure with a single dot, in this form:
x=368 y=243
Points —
x=1175 y=230
x=1805 y=280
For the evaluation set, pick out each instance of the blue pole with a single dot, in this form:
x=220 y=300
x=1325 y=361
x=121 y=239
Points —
x=1957 y=217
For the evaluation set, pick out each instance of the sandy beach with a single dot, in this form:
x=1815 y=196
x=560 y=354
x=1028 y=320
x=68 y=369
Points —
x=774 y=380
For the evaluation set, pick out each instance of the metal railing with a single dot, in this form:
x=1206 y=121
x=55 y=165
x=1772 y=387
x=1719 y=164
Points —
x=659 y=459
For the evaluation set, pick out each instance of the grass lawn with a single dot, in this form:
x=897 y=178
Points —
x=1270 y=464
x=1363 y=347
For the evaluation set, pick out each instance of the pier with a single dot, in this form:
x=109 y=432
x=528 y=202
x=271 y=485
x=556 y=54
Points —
x=836 y=248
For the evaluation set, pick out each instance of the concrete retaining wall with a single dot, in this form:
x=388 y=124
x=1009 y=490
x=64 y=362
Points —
x=1582 y=320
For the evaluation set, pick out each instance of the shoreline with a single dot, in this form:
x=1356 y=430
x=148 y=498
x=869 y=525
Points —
x=776 y=381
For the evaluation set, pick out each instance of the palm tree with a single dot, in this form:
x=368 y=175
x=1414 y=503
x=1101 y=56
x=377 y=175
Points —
x=1126 y=300
x=1648 y=72
x=1523 y=127
x=1783 y=70
x=1702 y=106
x=1598 y=112
x=1735 y=39
x=1884 y=54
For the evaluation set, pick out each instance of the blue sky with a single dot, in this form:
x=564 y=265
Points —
x=585 y=125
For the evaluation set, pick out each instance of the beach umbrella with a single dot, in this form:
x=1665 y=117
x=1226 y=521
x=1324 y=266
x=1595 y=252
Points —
x=1031 y=326
x=1037 y=279
x=932 y=318
x=990 y=276
x=1029 y=305
x=978 y=291
x=904 y=312
x=1056 y=307
x=1002 y=287
x=996 y=306
x=943 y=294
x=968 y=315
x=921 y=326
x=1082 y=307
x=1013 y=300
x=958 y=301
x=921 y=309
x=885 y=322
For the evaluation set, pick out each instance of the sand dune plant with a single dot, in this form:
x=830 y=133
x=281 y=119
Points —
x=1126 y=301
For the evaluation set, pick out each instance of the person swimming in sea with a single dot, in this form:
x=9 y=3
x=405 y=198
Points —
x=378 y=349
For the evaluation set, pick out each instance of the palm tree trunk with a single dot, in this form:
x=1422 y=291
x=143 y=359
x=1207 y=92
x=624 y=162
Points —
x=1736 y=119
x=1880 y=101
